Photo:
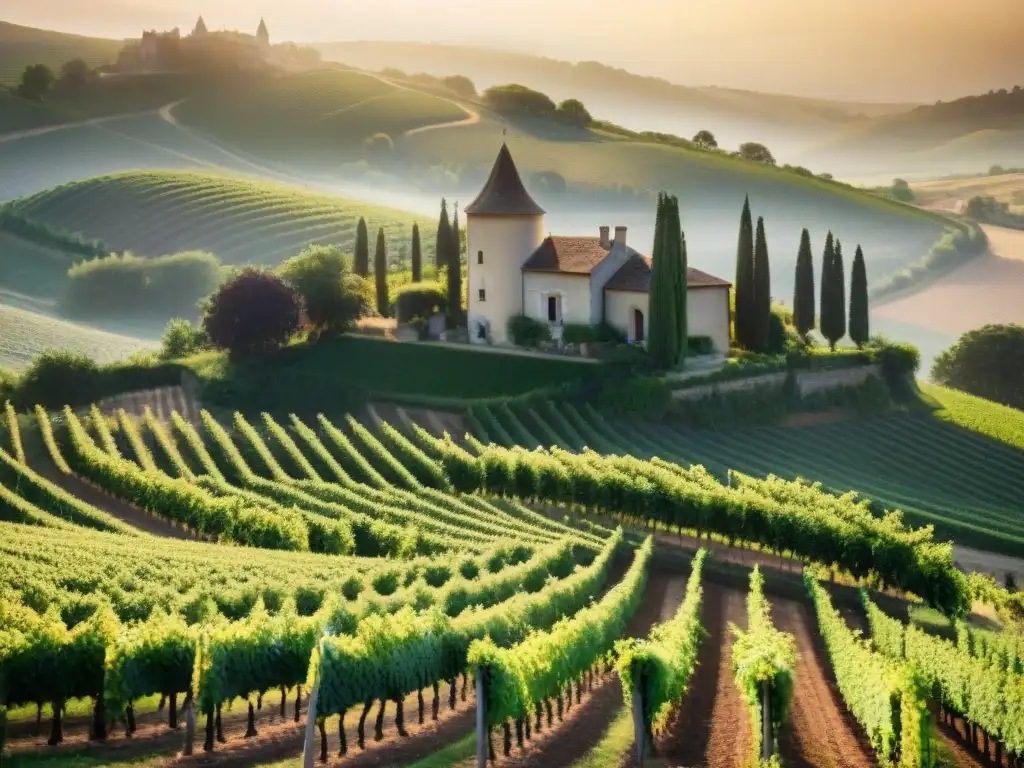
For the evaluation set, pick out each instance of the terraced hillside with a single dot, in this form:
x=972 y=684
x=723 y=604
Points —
x=940 y=470
x=242 y=221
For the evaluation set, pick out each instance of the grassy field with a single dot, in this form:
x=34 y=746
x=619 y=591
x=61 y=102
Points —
x=976 y=414
x=242 y=221
x=26 y=333
x=961 y=469
x=296 y=116
x=949 y=194
x=21 y=46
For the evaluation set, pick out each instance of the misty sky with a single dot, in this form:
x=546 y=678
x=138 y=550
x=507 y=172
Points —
x=886 y=50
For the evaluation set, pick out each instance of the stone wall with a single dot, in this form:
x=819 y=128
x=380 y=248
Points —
x=808 y=382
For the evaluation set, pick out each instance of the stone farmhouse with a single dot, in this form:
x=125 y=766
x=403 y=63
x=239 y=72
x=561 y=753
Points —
x=514 y=268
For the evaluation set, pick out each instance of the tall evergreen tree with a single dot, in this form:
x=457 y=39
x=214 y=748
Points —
x=380 y=273
x=827 y=283
x=833 y=297
x=745 y=280
x=361 y=261
x=444 y=238
x=860 y=330
x=803 y=293
x=762 y=291
x=666 y=342
x=455 y=272
x=417 y=255
x=660 y=326
x=683 y=295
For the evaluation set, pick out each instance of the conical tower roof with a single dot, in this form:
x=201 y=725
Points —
x=262 y=30
x=200 y=27
x=504 y=192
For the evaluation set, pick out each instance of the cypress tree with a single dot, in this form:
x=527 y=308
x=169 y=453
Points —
x=455 y=272
x=683 y=295
x=667 y=339
x=803 y=293
x=839 y=291
x=417 y=255
x=361 y=262
x=761 y=323
x=825 y=320
x=444 y=238
x=860 y=330
x=833 y=297
x=659 y=322
x=380 y=272
x=745 y=279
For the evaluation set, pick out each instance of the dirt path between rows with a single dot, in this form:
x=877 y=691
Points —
x=821 y=732
x=711 y=727
x=42 y=464
x=585 y=724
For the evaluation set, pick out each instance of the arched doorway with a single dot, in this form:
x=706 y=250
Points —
x=638 y=326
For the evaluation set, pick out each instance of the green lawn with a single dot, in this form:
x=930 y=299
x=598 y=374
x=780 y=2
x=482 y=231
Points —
x=337 y=375
x=241 y=220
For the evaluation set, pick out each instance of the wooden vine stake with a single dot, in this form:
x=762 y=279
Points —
x=639 y=728
x=481 y=720
x=309 y=749
x=766 y=721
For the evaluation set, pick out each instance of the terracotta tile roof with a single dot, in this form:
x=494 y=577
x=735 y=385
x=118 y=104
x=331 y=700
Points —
x=573 y=255
x=635 y=275
x=504 y=192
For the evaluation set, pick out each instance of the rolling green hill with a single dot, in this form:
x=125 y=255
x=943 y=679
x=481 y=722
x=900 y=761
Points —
x=21 y=46
x=243 y=221
x=972 y=132
x=298 y=115
x=591 y=80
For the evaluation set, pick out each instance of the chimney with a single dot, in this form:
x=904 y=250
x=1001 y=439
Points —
x=620 y=236
x=605 y=241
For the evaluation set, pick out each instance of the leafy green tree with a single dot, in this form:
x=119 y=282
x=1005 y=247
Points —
x=380 y=273
x=745 y=295
x=455 y=272
x=515 y=100
x=36 y=81
x=762 y=290
x=860 y=329
x=705 y=140
x=321 y=276
x=361 y=264
x=759 y=153
x=254 y=311
x=803 y=293
x=74 y=74
x=460 y=85
x=417 y=255
x=444 y=237
x=573 y=112
x=666 y=342
x=986 y=362
x=181 y=339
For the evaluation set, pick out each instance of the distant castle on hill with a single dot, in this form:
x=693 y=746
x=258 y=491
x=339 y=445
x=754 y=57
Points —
x=172 y=51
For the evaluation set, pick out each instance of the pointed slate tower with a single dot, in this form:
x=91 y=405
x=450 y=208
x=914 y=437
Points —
x=504 y=226
x=200 y=28
x=263 y=35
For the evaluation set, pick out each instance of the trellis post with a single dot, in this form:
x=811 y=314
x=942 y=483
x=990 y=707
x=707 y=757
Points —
x=639 y=727
x=481 y=719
